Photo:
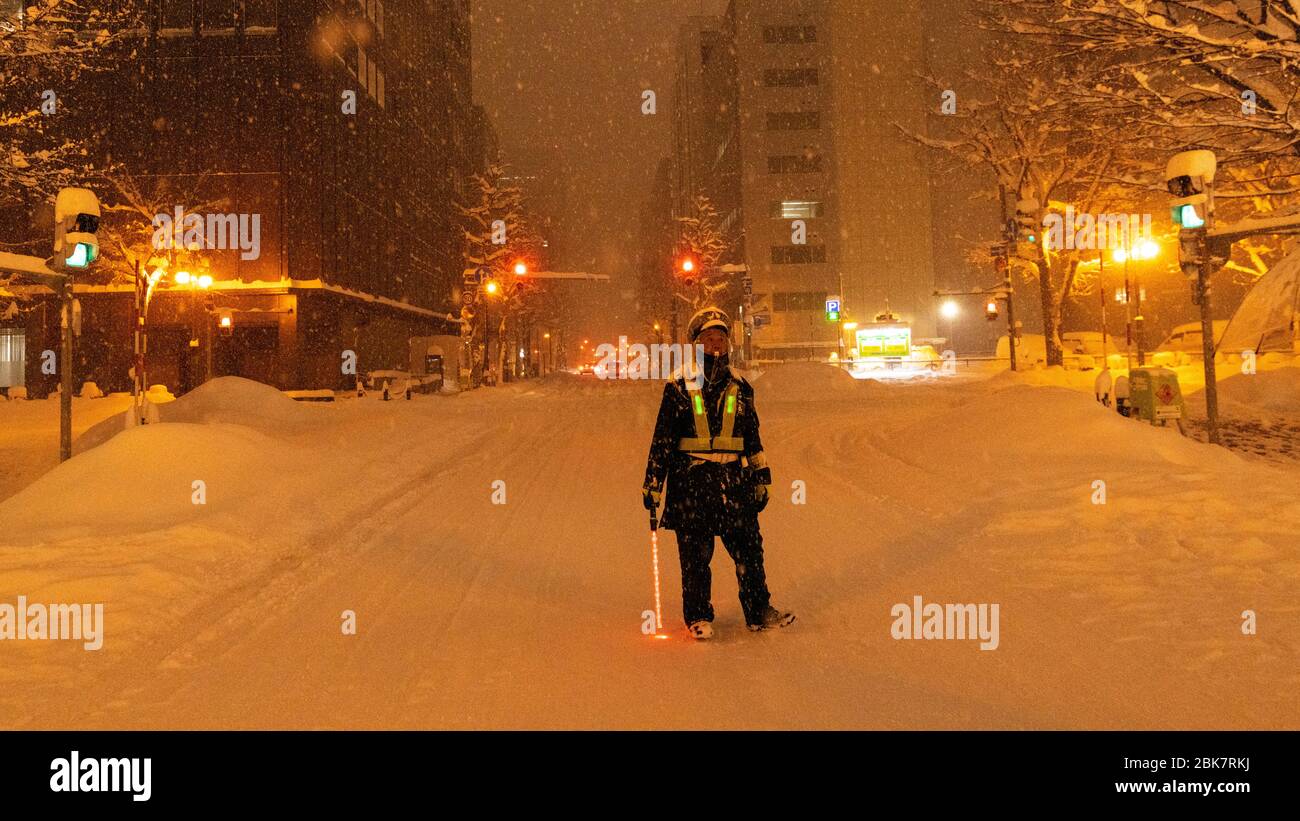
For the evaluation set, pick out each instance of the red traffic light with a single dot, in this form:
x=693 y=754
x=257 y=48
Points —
x=521 y=268
x=688 y=265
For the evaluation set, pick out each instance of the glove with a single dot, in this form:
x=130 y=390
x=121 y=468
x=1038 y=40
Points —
x=760 y=498
x=650 y=497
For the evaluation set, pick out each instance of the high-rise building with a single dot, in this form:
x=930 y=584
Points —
x=793 y=117
x=790 y=195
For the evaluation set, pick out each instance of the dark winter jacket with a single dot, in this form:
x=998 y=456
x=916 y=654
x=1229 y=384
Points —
x=706 y=496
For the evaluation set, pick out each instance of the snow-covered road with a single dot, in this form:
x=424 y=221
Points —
x=528 y=613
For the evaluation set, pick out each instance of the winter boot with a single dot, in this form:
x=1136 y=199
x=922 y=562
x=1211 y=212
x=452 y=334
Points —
x=700 y=630
x=772 y=618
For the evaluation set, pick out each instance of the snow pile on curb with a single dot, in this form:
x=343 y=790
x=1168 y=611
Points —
x=1014 y=431
x=1274 y=391
x=143 y=480
x=237 y=401
x=226 y=400
x=805 y=381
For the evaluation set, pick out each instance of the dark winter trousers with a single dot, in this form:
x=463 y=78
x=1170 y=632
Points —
x=745 y=545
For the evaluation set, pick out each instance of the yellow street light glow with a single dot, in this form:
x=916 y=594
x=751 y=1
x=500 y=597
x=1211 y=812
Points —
x=1147 y=249
x=850 y=326
x=182 y=277
x=205 y=281
x=520 y=269
x=490 y=287
x=950 y=310
x=225 y=322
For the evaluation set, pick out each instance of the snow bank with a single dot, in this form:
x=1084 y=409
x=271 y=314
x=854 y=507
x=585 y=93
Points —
x=803 y=381
x=226 y=400
x=1274 y=391
x=143 y=480
x=1014 y=432
x=237 y=401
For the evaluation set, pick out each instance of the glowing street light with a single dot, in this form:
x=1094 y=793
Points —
x=182 y=278
x=949 y=310
x=521 y=268
x=205 y=281
x=491 y=286
x=1146 y=249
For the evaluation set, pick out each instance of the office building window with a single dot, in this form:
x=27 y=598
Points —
x=178 y=14
x=375 y=11
x=796 y=210
x=786 y=35
x=798 y=254
x=793 y=120
x=218 y=14
x=259 y=14
x=790 y=77
x=795 y=164
x=799 y=301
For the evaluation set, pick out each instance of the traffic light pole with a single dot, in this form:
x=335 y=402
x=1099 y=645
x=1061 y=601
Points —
x=59 y=280
x=1011 y=317
x=65 y=373
x=1207 y=346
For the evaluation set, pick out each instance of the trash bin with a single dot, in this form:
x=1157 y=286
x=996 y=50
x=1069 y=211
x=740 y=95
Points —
x=1154 y=396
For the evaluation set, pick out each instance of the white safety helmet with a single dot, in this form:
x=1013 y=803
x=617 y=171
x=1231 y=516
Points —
x=710 y=317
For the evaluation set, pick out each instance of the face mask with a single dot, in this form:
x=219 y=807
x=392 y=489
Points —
x=713 y=363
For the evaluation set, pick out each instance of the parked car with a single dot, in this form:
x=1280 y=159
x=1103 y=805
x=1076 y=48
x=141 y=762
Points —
x=1189 y=339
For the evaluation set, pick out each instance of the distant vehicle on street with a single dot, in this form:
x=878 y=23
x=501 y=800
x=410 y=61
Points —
x=586 y=369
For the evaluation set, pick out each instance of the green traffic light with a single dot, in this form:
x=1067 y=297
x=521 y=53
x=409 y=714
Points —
x=1187 y=217
x=82 y=255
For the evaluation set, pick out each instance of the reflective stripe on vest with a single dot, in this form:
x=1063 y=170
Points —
x=703 y=442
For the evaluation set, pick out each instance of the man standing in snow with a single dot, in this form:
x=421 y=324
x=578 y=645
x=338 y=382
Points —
x=706 y=445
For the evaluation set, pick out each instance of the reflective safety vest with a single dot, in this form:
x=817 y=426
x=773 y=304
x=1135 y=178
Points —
x=702 y=441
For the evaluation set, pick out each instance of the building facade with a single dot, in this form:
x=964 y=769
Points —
x=342 y=131
x=790 y=116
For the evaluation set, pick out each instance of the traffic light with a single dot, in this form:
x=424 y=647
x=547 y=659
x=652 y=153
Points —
x=226 y=323
x=1189 y=178
x=1189 y=253
x=521 y=268
x=76 y=225
x=1026 y=229
x=1186 y=216
x=991 y=310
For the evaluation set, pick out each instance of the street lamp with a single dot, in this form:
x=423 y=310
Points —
x=949 y=311
x=1144 y=249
